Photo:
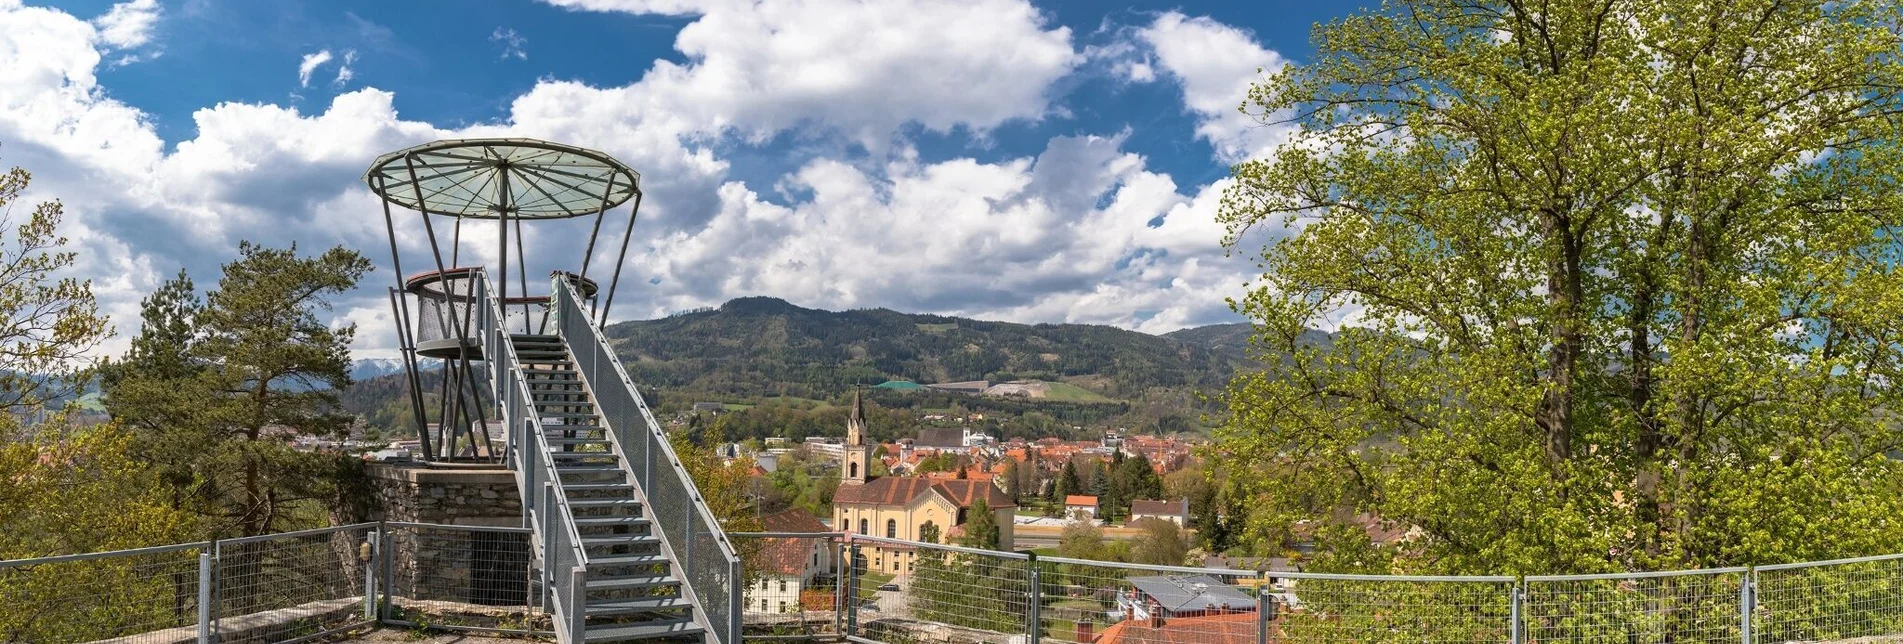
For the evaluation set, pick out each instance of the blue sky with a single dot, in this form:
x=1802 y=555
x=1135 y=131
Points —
x=1053 y=161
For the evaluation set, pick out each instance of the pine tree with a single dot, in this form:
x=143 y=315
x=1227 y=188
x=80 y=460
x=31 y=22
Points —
x=981 y=529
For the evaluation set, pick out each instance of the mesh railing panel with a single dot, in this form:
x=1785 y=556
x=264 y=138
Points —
x=133 y=597
x=1834 y=601
x=1081 y=601
x=443 y=305
x=1678 y=608
x=1324 y=608
x=914 y=592
x=285 y=586
x=463 y=576
x=792 y=585
x=688 y=528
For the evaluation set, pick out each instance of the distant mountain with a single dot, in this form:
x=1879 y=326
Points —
x=367 y=368
x=1233 y=339
x=762 y=346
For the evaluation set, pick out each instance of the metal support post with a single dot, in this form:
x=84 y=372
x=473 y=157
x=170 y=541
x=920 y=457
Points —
x=370 y=574
x=852 y=589
x=1264 y=604
x=839 y=594
x=388 y=560
x=204 y=597
x=736 y=589
x=548 y=501
x=578 y=606
x=1517 y=627
x=1747 y=600
x=1034 y=613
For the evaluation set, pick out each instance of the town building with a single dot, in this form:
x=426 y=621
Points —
x=791 y=565
x=1080 y=505
x=904 y=507
x=1177 y=596
x=1176 y=512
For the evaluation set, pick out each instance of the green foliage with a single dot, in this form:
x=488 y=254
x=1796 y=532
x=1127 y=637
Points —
x=1067 y=483
x=1624 y=283
x=1162 y=544
x=213 y=389
x=985 y=593
x=981 y=528
x=48 y=324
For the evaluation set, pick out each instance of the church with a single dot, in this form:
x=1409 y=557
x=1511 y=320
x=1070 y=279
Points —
x=904 y=507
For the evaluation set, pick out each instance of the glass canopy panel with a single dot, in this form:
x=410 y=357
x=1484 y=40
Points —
x=483 y=178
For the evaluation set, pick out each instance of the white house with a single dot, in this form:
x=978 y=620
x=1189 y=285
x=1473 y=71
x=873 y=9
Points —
x=789 y=564
x=1176 y=512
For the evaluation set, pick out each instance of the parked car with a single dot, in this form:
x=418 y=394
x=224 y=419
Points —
x=888 y=586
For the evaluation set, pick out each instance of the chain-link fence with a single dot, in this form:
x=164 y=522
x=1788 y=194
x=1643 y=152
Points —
x=794 y=585
x=292 y=585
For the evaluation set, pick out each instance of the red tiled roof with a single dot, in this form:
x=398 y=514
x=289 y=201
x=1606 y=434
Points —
x=1177 y=508
x=901 y=490
x=1232 y=628
x=790 y=555
x=1080 y=499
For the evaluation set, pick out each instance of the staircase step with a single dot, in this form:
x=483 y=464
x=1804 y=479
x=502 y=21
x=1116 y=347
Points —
x=604 y=503
x=611 y=561
x=561 y=440
x=570 y=428
x=642 y=630
x=638 y=581
x=587 y=469
x=608 y=458
x=610 y=540
x=536 y=371
x=609 y=522
x=636 y=606
x=564 y=414
x=595 y=487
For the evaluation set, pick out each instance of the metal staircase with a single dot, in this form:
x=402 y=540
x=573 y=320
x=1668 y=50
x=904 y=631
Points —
x=626 y=548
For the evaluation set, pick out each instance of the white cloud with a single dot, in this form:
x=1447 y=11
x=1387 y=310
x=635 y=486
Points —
x=511 y=42
x=1215 y=64
x=309 y=65
x=344 y=71
x=860 y=67
x=128 y=24
x=1085 y=231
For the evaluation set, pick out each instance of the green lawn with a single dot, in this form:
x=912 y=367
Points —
x=937 y=328
x=869 y=583
x=1064 y=392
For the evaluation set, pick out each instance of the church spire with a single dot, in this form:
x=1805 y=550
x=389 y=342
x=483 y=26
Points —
x=856 y=423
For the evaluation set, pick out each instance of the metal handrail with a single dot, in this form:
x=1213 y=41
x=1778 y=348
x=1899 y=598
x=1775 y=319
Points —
x=518 y=414
x=724 y=626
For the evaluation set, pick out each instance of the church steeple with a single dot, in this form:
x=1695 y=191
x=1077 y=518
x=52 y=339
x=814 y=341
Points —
x=858 y=457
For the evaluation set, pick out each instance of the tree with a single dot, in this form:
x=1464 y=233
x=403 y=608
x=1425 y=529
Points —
x=1081 y=540
x=48 y=323
x=1622 y=277
x=1161 y=543
x=1013 y=482
x=981 y=529
x=1067 y=483
x=213 y=388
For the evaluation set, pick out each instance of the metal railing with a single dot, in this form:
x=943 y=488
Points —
x=289 y=587
x=557 y=542
x=690 y=535
x=872 y=590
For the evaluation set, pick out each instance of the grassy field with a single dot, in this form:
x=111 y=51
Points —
x=869 y=583
x=1063 y=392
x=936 y=328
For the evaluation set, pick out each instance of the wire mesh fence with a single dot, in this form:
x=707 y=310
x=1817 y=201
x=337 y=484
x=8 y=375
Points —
x=1826 y=601
x=794 y=584
x=1085 y=601
x=463 y=576
x=145 y=596
x=291 y=585
x=1681 y=608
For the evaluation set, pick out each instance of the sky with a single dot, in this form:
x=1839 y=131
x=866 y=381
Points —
x=1050 y=161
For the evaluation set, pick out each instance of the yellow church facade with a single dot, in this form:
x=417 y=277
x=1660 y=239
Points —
x=905 y=507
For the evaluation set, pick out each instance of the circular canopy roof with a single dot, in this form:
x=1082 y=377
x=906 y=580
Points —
x=483 y=178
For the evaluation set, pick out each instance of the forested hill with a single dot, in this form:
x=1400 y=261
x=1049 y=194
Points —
x=765 y=346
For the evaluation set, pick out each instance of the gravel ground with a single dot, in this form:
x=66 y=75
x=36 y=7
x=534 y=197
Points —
x=427 y=637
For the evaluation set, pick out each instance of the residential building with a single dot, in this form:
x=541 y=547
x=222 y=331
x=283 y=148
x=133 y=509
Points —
x=1176 y=512
x=1080 y=505
x=1173 y=596
x=790 y=565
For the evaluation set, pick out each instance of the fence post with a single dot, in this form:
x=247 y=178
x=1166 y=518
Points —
x=852 y=588
x=736 y=594
x=839 y=595
x=1518 y=623
x=1262 y=607
x=370 y=573
x=1034 y=614
x=204 y=596
x=388 y=563
x=548 y=500
x=1747 y=599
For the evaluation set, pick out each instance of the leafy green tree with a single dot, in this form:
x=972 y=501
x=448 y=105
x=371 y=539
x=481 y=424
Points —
x=1067 y=483
x=48 y=323
x=1012 y=480
x=1160 y=543
x=1621 y=279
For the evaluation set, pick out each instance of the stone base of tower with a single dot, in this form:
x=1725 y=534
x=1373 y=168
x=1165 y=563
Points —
x=460 y=563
